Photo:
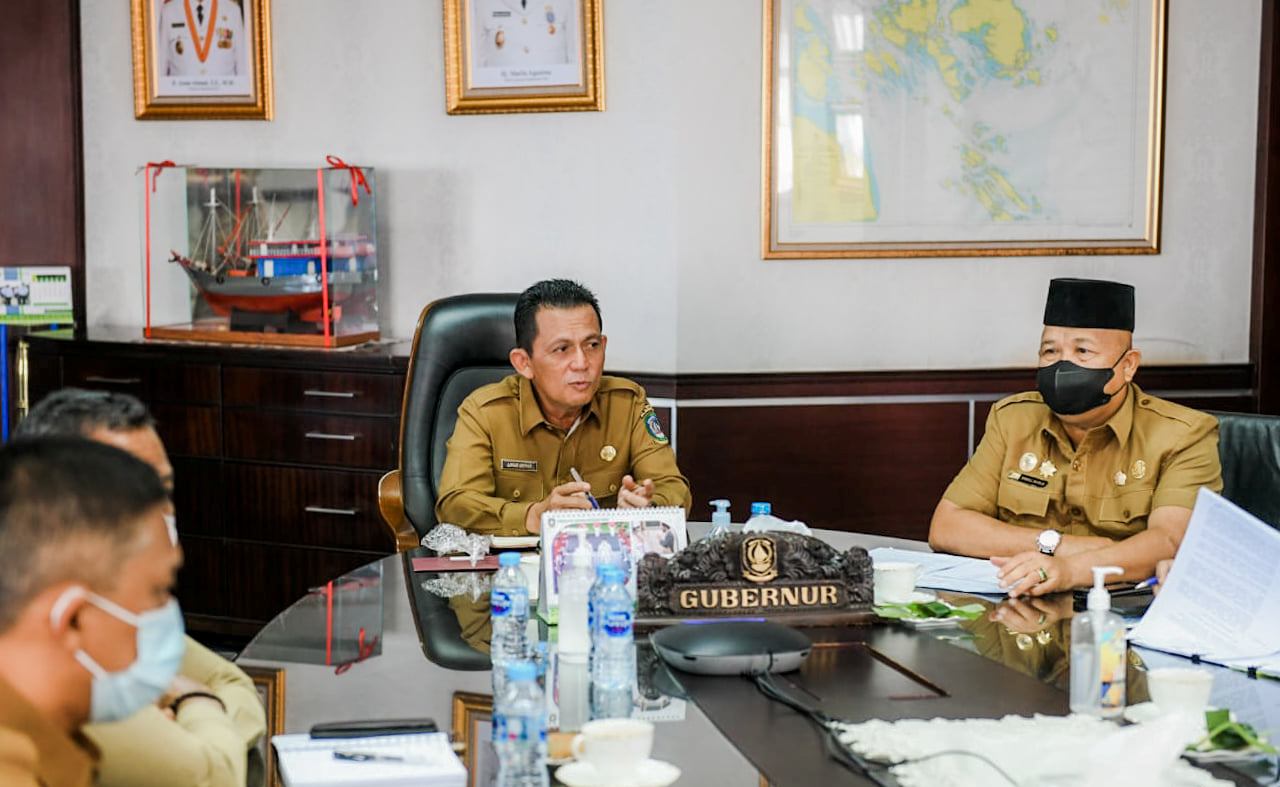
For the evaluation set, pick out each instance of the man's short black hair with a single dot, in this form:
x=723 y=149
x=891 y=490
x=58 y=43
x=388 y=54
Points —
x=549 y=294
x=75 y=411
x=71 y=510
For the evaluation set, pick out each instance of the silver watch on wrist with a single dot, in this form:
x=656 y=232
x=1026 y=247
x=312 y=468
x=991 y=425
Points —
x=1048 y=541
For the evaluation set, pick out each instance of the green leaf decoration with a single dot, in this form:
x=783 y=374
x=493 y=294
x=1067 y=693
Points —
x=928 y=610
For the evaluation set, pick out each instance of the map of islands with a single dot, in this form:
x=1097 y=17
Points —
x=962 y=120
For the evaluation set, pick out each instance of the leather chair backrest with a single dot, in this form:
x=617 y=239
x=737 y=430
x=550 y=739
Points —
x=1249 y=446
x=462 y=343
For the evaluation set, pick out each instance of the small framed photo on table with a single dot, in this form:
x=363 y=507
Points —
x=202 y=59
x=269 y=681
x=523 y=56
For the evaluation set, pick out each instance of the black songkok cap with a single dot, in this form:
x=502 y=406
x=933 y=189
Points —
x=1089 y=303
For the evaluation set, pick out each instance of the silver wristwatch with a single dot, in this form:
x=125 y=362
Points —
x=1048 y=541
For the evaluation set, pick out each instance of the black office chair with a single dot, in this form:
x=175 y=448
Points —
x=1249 y=446
x=461 y=343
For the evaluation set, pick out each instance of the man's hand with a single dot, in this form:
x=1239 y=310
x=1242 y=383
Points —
x=565 y=496
x=1162 y=572
x=635 y=495
x=1034 y=574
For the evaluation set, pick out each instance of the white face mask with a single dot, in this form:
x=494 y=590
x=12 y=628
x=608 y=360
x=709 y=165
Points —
x=161 y=646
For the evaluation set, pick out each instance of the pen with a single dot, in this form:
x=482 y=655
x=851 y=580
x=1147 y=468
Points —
x=573 y=471
x=1147 y=583
x=364 y=756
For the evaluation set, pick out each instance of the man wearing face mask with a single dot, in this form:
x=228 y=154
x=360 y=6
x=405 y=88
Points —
x=204 y=743
x=89 y=631
x=1086 y=471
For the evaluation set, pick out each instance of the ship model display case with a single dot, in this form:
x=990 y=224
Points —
x=260 y=256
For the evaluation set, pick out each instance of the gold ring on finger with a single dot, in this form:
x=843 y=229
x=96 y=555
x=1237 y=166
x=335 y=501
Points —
x=1044 y=575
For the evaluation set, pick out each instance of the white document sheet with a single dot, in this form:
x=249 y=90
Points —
x=1221 y=600
x=946 y=572
x=428 y=761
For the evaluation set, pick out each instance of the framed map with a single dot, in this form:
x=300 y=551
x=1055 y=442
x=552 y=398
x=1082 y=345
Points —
x=902 y=128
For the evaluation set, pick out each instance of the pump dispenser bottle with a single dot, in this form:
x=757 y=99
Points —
x=719 y=519
x=1098 y=653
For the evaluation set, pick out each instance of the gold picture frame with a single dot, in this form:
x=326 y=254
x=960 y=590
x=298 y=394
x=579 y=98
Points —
x=523 y=56
x=470 y=729
x=202 y=59
x=269 y=682
x=836 y=89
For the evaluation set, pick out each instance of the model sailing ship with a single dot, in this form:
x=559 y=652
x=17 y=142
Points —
x=241 y=269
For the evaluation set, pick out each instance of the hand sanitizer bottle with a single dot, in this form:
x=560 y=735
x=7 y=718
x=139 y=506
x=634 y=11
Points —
x=1098 y=653
x=719 y=519
x=575 y=586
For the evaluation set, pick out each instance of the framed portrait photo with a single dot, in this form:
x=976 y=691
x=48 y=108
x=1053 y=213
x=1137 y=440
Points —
x=202 y=59
x=269 y=682
x=523 y=56
x=956 y=128
x=471 y=731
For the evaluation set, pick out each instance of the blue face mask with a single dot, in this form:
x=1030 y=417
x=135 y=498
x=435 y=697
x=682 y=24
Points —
x=161 y=646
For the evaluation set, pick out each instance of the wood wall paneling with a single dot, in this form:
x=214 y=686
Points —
x=868 y=468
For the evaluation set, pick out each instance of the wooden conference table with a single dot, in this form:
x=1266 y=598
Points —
x=351 y=650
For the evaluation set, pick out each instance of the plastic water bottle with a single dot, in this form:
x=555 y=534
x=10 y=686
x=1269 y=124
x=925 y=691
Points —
x=593 y=606
x=575 y=590
x=759 y=511
x=613 y=664
x=509 y=611
x=522 y=753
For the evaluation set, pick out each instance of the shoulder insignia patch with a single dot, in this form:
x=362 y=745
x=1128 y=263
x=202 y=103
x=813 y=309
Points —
x=654 y=427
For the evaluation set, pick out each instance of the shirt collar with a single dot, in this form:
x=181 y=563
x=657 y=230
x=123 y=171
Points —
x=1120 y=424
x=531 y=412
x=62 y=759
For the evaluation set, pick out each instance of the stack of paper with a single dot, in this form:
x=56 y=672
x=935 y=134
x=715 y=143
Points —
x=946 y=572
x=1221 y=600
x=424 y=760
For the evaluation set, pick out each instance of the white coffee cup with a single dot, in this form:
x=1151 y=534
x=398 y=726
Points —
x=614 y=747
x=895 y=582
x=1180 y=689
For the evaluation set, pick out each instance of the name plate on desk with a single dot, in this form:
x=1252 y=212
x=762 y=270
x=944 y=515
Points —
x=781 y=596
x=755 y=573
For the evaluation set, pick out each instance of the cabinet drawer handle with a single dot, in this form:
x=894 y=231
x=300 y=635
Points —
x=324 y=510
x=329 y=394
x=93 y=378
x=327 y=436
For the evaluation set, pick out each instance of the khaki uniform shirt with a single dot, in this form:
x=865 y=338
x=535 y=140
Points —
x=504 y=456
x=34 y=752
x=203 y=747
x=1151 y=453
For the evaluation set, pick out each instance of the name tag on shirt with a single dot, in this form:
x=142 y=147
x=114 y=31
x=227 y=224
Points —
x=1030 y=480
x=522 y=465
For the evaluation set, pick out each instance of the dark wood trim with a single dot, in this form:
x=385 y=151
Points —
x=79 y=271
x=1264 y=324
x=1204 y=377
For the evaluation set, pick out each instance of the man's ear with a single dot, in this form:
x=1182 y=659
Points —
x=522 y=362
x=1131 y=363
x=59 y=607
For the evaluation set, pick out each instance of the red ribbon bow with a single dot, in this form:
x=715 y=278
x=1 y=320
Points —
x=158 y=166
x=357 y=177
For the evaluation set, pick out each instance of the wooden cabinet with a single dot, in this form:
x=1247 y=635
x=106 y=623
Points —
x=276 y=456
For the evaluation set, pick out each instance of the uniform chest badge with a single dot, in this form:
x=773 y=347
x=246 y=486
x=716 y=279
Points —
x=177 y=45
x=1139 y=470
x=499 y=39
x=1028 y=462
x=608 y=453
x=1047 y=469
x=1121 y=478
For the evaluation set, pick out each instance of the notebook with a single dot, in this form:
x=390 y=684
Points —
x=429 y=761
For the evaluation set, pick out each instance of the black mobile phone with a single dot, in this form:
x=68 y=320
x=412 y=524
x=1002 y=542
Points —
x=372 y=727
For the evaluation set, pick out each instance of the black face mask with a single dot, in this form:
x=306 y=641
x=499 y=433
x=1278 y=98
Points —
x=1070 y=389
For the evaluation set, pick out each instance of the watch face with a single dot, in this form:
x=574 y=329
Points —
x=1048 y=541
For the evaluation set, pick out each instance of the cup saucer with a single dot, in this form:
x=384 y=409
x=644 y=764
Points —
x=650 y=773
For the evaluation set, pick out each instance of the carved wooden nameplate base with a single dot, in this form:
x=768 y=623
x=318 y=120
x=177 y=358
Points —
x=790 y=578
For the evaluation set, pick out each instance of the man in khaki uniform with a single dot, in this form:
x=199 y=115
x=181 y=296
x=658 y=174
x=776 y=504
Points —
x=516 y=441
x=1088 y=470
x=212 y=715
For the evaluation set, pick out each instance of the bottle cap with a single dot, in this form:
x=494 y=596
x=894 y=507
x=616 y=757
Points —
x=761 y=509
x=1099 y=598
x=521 y=670
x=509 y=559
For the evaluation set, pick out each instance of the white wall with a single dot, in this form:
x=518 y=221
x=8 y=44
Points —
x=655 y=203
